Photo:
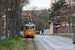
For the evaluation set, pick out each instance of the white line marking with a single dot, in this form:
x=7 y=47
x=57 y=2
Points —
x=43 y=43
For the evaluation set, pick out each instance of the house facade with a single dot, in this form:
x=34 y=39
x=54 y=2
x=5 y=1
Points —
x=72 y=4
x=3 y=23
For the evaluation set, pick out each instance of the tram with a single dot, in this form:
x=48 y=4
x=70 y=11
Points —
x=29 y=29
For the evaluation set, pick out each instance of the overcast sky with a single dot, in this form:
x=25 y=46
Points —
x=38 y=3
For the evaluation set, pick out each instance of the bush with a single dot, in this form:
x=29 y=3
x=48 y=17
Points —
x=20 y=35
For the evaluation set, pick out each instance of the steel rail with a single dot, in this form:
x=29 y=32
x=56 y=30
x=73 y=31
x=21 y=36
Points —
x=35 y=48
x=25 y=44
x=34 y=44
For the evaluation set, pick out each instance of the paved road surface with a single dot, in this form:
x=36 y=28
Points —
x=49 y=42
x=56 y=42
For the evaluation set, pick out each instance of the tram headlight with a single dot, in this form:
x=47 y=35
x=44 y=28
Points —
x=29 y=32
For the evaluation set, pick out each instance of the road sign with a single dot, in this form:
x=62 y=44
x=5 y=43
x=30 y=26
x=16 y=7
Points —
x=21 y=32
x=73 y=35
x=55 y=26
x=71 y=24
x=67 y=24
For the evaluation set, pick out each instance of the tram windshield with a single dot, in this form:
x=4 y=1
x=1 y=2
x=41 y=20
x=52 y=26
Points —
x=29 y=27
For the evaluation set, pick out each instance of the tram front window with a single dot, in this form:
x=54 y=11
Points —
x=29 y=27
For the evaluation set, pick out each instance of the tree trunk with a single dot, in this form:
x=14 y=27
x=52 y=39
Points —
x=6 y=19
x=1 y=5
x=11 y=25
x=10 y=35
x=15 y=18
x=18 y=19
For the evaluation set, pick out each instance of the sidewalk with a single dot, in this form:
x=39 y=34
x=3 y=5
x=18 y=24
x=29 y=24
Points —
x=59 y=34
x=64 y=33
x=3 y=37
x=39 y=44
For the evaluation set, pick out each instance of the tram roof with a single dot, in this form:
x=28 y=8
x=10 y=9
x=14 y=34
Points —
x=29 y=22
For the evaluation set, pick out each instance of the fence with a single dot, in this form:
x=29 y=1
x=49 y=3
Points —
x=69 y=29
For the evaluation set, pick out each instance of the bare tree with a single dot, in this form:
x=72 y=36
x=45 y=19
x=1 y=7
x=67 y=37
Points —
x=41 y=20
x=15 y=18
x=1 y=6
x=13 y=15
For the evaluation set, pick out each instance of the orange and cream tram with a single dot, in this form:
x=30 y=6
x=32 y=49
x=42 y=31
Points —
x=29 y=30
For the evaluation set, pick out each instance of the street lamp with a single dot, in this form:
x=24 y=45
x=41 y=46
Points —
x=65 y=17
x=53 y=17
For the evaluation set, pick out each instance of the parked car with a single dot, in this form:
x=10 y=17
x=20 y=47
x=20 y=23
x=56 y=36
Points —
x=37 y=32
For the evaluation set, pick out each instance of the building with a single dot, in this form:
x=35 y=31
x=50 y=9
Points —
x=73 y=10
x=54 y=1
x=72 y=5
x=3 y=23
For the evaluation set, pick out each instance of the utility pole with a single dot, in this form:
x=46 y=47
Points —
x=1 y=8
x=39 y=24
x=65 y=18
x=54 y=18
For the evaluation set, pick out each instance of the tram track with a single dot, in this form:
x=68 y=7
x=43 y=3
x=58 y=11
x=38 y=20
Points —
x=34 y=45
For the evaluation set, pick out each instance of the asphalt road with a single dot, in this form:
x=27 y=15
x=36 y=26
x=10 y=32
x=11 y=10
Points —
x=49 y=42
x=56 y=42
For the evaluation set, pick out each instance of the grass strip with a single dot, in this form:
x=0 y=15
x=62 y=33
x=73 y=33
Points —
x=19 y=45
x=67 y=36
x=4 y=45
x=29 y=45
x=63 y=35
x=60 y=35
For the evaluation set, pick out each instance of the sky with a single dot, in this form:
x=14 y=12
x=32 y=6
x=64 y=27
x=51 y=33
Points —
x=40 y=4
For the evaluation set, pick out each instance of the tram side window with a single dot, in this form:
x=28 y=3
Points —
x=29 y=27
